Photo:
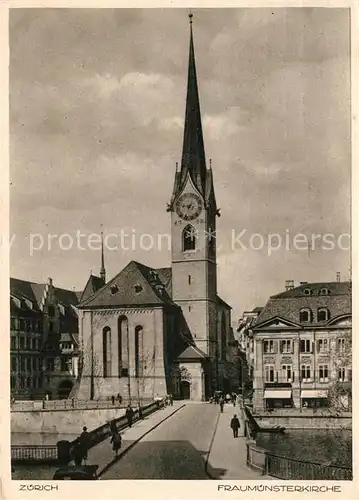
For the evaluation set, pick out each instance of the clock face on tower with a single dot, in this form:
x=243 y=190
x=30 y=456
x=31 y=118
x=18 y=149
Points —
x=189 y=206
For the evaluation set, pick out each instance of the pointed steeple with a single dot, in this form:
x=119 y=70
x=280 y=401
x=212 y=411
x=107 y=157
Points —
x=103 y=270
x=193 y=155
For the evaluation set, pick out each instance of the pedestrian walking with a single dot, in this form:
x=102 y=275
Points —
x=221 y=404
x=119 y=398
x=129 y=415
x=85 y=443
x=116 y=441
x=235 y=425
x=171 y=399
x=77 y=453
x=113 y=400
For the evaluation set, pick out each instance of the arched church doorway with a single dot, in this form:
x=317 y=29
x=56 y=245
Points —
x=64 y=389
x=185 y=389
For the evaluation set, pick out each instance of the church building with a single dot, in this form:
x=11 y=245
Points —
x=149 y=332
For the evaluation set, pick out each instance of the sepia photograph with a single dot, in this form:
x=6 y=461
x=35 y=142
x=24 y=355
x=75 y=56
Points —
x=180 y=244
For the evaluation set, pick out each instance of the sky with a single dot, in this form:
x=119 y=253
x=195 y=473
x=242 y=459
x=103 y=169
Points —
x=97 y=102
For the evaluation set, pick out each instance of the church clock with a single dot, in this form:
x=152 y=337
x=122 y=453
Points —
x=189 y=206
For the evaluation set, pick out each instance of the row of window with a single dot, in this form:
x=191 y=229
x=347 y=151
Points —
x=22 y=364
x=66 y=345
x=26 y=325
x=322 y=291
x=122 y=349
x=306 y=374
x=306 y=346
x=306 y=315
x=24 y=343
x=22 y=383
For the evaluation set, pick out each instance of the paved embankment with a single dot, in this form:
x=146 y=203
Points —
x=176 y=449
x=229 y=454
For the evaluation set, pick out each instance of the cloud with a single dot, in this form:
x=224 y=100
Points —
x=97 y=100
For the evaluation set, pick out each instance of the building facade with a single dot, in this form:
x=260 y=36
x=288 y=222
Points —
x=154 y=331
x=43 y=340
x=302 y=347
x=244 y=336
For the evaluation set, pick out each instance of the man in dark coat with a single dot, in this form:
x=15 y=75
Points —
x=129 y=415
x=235 y=425
x=85 y=443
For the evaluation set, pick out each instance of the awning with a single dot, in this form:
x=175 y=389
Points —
x=314 y=393
x=277 y=394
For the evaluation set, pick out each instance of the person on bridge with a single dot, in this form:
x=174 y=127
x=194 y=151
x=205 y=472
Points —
x=221 y=404
x=129 y=415
x=85 y=443
x=113 y=400
x=235 y=425
x=116 y=441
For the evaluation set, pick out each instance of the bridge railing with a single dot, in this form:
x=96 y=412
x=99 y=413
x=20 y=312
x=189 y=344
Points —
x=75 y=404
x=34 y=453
x=62 y=451
x=282 y=467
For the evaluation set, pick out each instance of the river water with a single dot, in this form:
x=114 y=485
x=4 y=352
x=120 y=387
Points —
x=328 y=446
x=38 y=472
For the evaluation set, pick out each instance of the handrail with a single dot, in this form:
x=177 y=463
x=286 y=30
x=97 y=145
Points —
x=40 y=453
x=285 y=467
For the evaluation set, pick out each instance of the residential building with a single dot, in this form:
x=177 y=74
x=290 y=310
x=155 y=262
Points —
x=246 y=342
x=43 y=342
x=302 y=346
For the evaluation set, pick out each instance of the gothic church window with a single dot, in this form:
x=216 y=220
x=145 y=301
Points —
x=123 y=353
x=189 y=238
x=139 y=351
x=106 y=351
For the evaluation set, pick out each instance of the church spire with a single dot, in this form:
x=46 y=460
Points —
x=193 y=155
x=103 y=270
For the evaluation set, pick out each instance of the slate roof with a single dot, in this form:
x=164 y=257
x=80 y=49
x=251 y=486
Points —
x=69 y=337
x=287 y=305
x=34 y=292
x=136 y=285
x=192 y=352
x=165 y=274
x=93 y=284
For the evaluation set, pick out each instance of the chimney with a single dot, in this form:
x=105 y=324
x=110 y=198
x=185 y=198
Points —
x=338 y=277
x=289 y=285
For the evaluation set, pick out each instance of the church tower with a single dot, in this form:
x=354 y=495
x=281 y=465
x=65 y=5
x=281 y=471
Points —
x=193 y=224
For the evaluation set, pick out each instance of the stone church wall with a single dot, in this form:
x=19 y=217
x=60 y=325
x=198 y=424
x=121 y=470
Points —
x=152 y=381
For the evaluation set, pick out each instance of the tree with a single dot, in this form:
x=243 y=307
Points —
x=340 y=391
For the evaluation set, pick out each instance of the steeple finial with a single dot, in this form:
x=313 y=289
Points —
x=103 y=270
x=193 y=155
x=190 y=15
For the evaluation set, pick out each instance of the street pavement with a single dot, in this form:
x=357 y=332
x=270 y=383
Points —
x=176 y=449
x=229 y=454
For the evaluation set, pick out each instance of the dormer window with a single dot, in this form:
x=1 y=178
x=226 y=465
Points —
x=138 y=288
x=307 y=291
x=323 y=314
x=324 y=291
x=305 y=316
x=114 y=289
